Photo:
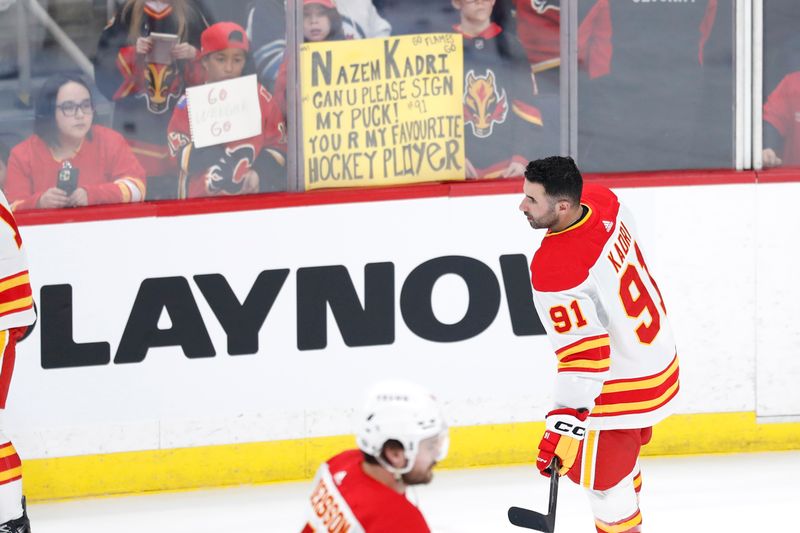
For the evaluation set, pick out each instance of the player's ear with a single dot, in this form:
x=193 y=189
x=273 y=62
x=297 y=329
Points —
x=395 y=456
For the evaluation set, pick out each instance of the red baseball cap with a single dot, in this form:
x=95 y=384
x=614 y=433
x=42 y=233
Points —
x=221 y=36
x=330 y=4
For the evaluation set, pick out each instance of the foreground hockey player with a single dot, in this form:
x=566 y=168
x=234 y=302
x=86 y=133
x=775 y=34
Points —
x=17 y=313
x=401 y=435
x=604 y=315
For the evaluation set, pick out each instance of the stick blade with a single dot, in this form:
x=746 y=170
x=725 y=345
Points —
x=531 y=519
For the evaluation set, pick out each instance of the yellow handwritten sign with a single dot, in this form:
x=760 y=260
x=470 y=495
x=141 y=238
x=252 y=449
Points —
x=383 y=111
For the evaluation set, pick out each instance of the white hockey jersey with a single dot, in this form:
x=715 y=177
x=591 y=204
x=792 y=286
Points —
x=606 y=319
x=16 y=298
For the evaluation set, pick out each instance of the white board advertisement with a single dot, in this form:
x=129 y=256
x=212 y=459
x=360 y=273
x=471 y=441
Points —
x=266 y=325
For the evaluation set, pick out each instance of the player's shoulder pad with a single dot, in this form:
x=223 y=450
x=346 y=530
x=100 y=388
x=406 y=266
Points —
x=564 y=259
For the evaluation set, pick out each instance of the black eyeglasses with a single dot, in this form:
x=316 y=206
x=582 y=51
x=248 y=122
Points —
x=70 y=109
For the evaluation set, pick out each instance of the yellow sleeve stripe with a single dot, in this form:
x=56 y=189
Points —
x=526 y=115
x=655 y=381
x=10 y=474
x=7 y=451
x=20 y=279
x=585 y=363
x=583 y=346
x=636 y=406
x=22 y=303
x=620 y=527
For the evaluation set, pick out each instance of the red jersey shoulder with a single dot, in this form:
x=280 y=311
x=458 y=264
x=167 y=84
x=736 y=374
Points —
x=376 y=506
x=31 y=148
x=564 y=259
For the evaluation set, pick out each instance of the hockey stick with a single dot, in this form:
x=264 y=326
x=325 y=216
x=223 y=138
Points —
x=537 y=521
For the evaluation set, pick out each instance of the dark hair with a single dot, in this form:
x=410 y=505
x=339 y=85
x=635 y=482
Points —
x=44 y=124
x=391 y=443
x=558 y=175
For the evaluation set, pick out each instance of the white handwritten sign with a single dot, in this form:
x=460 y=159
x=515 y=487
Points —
x=224 y=111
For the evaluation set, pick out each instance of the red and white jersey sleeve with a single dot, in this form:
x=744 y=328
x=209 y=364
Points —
x=605 y=318
x=16 y=298
x=345 y=499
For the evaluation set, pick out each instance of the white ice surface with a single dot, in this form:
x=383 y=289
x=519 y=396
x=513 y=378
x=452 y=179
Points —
x=721 y=493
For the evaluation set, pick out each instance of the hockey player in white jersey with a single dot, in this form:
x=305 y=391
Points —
x=607 y=322
x=17 y=314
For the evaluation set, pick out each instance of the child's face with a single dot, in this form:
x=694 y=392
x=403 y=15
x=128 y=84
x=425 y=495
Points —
x=316 y=24
x=225 y=64
x=475 y=10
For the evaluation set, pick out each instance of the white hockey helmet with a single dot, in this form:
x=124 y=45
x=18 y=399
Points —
x=401 y=411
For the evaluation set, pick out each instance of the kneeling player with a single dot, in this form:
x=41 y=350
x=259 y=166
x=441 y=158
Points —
x=401 y=436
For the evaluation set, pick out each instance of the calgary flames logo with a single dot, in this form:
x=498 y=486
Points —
x=163 y=86
x=227 y=175
x=483 y=106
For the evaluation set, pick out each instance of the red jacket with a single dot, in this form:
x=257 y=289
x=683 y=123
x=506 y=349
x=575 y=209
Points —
x=108 y=170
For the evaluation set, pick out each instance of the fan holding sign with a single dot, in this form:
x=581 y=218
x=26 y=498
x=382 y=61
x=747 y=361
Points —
x=228 y=135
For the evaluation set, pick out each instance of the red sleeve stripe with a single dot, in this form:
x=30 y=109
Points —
x=583 y=344
x=15 y=294
x=643 y=395
x=646 y=382
x=592 y=360
x=527 y=112
x=14 y=279
x=10 y=464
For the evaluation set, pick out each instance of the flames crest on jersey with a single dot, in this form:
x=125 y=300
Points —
x=162 y=86
x=227 y=175
x=484 y=105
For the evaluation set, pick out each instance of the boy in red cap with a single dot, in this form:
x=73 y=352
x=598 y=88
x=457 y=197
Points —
x=247 y=166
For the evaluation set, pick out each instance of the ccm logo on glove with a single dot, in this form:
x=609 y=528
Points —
x=565 y=429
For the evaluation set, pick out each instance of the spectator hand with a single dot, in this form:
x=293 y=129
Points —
x=184 y=51
x=565 y=429
x=770 y=158
x=53 y=198
x=250 y=182
x=514 y=170
x=144 y=45
x=79 y=198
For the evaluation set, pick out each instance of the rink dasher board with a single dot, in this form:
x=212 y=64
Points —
x=718 y=268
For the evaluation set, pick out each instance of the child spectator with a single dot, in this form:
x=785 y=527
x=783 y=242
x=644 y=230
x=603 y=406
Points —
x=321 y=21
x=143 y=88
x=69 y=161
x=239 y=167
x=502 y=125
x=266 y=27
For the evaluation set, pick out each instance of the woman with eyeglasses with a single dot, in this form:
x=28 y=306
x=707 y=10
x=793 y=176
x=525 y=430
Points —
x=69 y=161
